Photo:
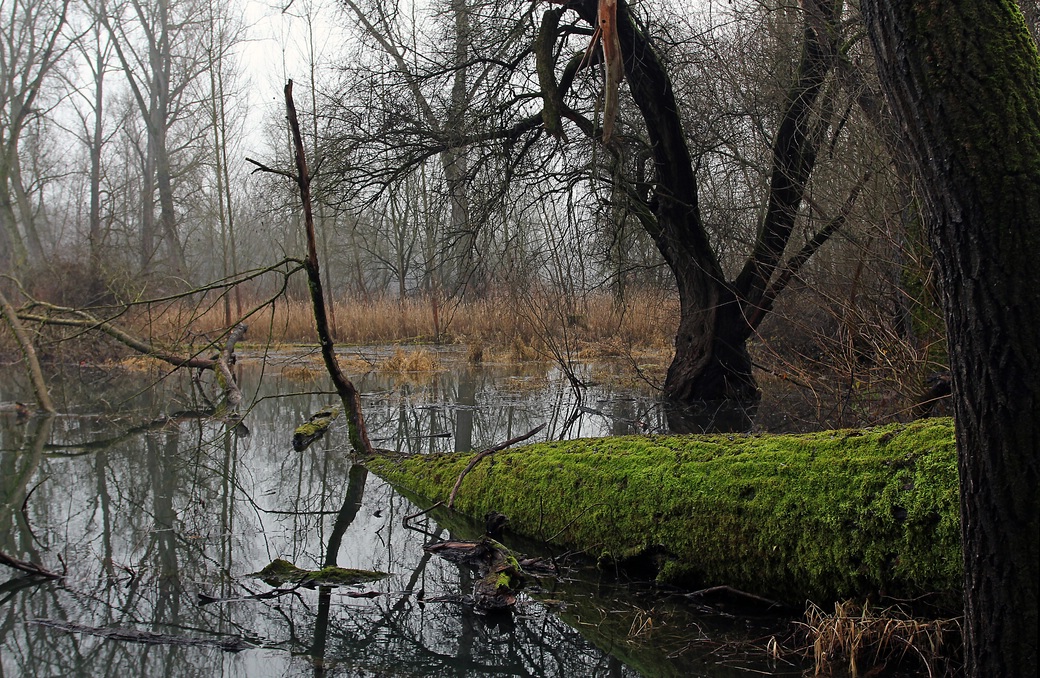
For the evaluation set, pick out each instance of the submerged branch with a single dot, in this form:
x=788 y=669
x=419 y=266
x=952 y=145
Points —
x=230 y=644
x=220 y=363
x=27 y=567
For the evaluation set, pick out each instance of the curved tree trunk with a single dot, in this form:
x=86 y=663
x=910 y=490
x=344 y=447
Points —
x=717 y=317
x=963 y=78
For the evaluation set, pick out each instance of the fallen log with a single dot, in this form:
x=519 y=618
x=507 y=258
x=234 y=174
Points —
x=281 y=572
x=825 y=516
x=314 y=428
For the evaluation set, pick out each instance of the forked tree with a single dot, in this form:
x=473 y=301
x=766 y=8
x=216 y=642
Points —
x=537 y=101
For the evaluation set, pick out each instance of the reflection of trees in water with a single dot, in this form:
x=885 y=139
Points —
x=145 y=522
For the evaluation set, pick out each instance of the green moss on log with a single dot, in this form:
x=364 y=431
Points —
x=315 y=428
x=824 y=516
x=281 y=572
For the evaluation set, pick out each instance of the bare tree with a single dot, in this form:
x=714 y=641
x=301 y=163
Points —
x=32 y=42
x=159 y=45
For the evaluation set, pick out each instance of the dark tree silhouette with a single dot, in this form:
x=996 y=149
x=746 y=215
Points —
x=963 y=79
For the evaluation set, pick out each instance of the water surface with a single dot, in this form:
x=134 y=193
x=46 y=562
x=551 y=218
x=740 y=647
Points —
x=152 y=511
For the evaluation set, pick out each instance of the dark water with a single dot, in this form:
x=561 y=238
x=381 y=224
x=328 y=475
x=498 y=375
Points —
x=151 y=510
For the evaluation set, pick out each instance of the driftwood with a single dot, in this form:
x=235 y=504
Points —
x=314 y=429
x=501 y=576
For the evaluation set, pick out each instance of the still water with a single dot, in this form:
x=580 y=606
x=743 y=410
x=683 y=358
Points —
x=157 y=516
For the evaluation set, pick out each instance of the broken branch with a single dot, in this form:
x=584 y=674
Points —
x=486 y=453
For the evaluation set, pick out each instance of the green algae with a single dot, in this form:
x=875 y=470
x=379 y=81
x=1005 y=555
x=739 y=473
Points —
x=281 y=572
x=824 y=516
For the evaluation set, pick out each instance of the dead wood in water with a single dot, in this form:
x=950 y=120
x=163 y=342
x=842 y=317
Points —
x=29 y=568
x=501 y=576
x=344 y=387
x=43 y=398
x=314 y=429
x=231 y=644
x=220 y=363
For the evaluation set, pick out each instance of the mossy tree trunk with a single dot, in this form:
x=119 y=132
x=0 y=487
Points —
x=963 y=79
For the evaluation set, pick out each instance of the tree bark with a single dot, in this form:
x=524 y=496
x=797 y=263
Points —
x=963 y=80
x=32 y=365
x=344 y=387
x=711 y=360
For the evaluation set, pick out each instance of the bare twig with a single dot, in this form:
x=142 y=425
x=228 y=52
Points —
x=488 y=452
x=413 y=516
x=261 y=167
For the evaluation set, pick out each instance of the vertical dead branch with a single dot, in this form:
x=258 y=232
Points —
x=232 y=393
x=344 y=387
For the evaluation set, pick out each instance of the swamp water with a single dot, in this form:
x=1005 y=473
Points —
x=157 y=516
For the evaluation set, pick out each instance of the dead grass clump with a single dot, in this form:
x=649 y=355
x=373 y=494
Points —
x=300 y=373
x=475 y=353
x=416 y=360
x=856 y=638
x=521 y=350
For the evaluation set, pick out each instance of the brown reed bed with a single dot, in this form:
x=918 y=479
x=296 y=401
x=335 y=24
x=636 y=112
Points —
x=856 y=640
x=500 y=326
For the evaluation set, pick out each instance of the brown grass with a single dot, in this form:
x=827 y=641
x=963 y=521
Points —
x=414 y=360
x=504 y=325
x=863 y=642
x=301 y=372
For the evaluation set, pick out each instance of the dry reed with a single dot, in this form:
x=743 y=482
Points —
x=855 y=638
x=503 y=325
x=416 y=360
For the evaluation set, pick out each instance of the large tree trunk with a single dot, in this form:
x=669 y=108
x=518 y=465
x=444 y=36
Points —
x=702 y=368
x=711 y=360
x=963 y=79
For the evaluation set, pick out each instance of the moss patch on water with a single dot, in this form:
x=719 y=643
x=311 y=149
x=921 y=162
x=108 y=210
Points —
x=281 y=572
x=824 y=516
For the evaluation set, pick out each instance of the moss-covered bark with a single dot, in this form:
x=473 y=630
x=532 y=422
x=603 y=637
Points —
x=281 y=572
x=963 y=82
x=823 y=516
